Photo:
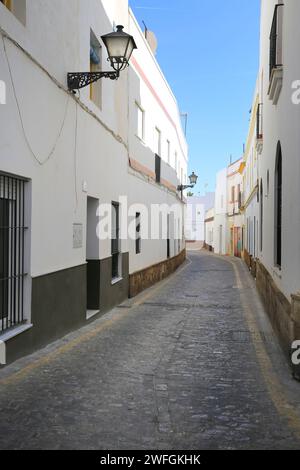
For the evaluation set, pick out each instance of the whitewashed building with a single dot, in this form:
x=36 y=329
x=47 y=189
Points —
x=252 y=195
x=210 y=229
x=278 y=270
x=220 y=216
x=195 y=216
x=226 y=217
x=63 y=156
x=234 y=204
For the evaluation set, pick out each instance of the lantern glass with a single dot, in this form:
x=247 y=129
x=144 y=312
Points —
x=193 y=179
x=120 y=47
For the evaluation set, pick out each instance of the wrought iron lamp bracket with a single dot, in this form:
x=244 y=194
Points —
x=79 y=80
x=184 y=187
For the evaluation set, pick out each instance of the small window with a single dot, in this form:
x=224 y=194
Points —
x=140 y=121
x=239 y=196
x=168 y=151
x=276 y=39
x=259 y=122
x=138 y=233
x=17 y=7
x=115 y=240
x=168 y=237
x=176 y=161
x=95 y=66
x=157 y=141
x=232 y=194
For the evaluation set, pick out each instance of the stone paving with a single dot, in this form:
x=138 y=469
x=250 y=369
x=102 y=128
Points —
x=173 y=369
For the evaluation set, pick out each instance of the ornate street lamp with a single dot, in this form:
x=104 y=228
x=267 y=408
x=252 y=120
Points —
x=120 y=47
x=193 y=180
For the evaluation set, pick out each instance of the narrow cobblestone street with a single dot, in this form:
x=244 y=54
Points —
x=185 y=365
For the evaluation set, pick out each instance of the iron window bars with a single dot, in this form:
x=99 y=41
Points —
x=115 y=241
x=259 y=122
x=275 y=48
x=12 y=235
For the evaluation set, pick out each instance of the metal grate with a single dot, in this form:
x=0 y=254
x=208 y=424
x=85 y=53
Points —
x=275 y=37
x=12 y=228
x=157 y=168
x=259 y=122
x=115 y=240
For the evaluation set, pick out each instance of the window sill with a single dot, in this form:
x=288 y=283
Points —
x=91 y=313
x=277 y=270
x=116 y=280
x=140 y=139
x=275 y=84
x=6 y=336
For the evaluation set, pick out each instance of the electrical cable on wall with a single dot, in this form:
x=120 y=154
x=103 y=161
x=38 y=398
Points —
x=75 y=154
x=40 y=162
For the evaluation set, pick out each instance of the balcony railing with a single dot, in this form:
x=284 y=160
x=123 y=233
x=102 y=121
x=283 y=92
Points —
x=12 y=251
x=259 y=122
x=276 y=39
x=240 y=200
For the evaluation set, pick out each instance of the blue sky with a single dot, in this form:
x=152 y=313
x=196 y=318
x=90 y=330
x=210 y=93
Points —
x=208 y=51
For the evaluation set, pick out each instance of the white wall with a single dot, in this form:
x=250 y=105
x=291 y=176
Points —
x=281 y=122
x=72 y=150
x=220 y=223
x=195 y=216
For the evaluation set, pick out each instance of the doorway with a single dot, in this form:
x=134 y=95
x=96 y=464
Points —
x=92 y=258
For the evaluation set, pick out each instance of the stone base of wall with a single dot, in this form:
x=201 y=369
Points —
x=208 y=247
x=146 y=278
x=250 y=262
x=277 y=306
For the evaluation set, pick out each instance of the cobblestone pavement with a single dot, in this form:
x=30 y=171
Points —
x=190 y=364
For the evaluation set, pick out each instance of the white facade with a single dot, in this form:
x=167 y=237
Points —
x=220 y=222
x=195 y=216
x=252 y=188
x=234 y=203
x=281 y=120
x=228 y=220
x=75 y=152
x=210 y=228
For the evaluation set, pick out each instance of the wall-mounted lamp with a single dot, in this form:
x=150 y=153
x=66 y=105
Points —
x=193 y=180
x=120 y=47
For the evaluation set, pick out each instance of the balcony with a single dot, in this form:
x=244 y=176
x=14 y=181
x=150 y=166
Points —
x=259 y=128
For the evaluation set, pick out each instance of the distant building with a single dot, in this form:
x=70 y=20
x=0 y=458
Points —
x=220 y=218
x=210 y=229
x=252 y=196
x=234 y=204
x=196 y=208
